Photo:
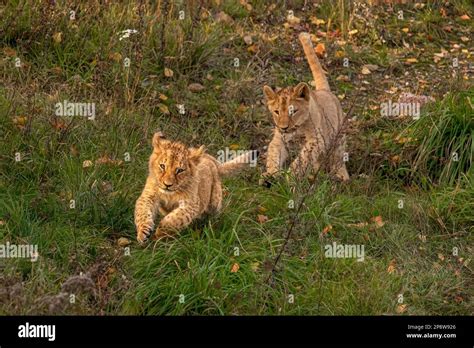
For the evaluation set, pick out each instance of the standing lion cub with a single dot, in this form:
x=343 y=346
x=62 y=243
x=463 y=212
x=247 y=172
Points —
x=183 y=184
x=311 y=120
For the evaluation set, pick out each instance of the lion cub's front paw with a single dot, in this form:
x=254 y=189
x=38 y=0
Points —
x=143 y=235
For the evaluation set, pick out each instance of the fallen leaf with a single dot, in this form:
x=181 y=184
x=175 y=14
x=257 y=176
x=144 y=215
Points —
x=235 y=268
x=163 y=97
x=57 y=37
x=320 y=49
x=441 y=257
x=353 y=32
x=465 y=17
x=365 y=71
x=246 y=5
x=317 y=21
x=391 y=267
x=254 y=266
x=56 y=70
x=411 y=60
x=20 y=121
x=87 y=164
x=262 y=218
x=401 y=308
x=164 y=109
x=253 y=49
x=292 y=20
x=395 y=159
x=115 y=56
x=223 y=17
x=248 y=39
x=405 y=30
x=9 y=52
x=340 y=54
x=196 y=87
x=327 y=229
x=168 y=72
x=378 y=221
x=123 y=242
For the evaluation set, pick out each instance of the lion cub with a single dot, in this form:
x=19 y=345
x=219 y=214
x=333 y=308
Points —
x=311 y=120
x=183 y=184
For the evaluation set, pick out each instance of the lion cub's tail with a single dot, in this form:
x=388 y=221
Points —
x=318 y=74
x=240 y=162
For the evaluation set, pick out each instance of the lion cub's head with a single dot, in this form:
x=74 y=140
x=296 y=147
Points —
x=173 y=164
x=289 y=106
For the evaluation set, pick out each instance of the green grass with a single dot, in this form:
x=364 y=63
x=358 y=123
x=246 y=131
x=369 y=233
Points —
x=410 y=252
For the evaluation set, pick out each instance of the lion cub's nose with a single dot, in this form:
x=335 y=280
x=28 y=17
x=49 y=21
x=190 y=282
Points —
x=168 y=185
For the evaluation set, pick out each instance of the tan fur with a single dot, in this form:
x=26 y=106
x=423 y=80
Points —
x=309 y=118
x=182 y=185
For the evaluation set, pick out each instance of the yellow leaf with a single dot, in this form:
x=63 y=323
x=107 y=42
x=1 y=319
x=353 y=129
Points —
x=57 y=37
x=123 y=242
x=353 y=32
x=234 y=146
x=378 y=221
x=168 y=72
x=340 y=54
x=20 y=121
x=391 y=267
x=253 y=48
x=255 y=266
x=405 y=30
x=316 y=21
x=320 y=49
x=87 y=164
x=411 y=60
x=163 y=97
x=327 y=229
x=401 y=308
x=164 y=109
x=235 y=268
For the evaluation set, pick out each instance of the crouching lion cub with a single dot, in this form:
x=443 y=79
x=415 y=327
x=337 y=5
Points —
x=183 y=184
x=309 y=120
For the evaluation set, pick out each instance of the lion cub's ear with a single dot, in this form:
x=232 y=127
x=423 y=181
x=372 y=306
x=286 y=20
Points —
x=157 y=140
x=269 y=93
x=196 y=154
x=302 y=91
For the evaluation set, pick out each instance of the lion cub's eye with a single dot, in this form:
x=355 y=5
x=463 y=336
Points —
x=276 y=112
x=162 y=166
x=179 y=170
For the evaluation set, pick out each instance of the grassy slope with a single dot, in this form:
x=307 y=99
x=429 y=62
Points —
x=87 y=66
